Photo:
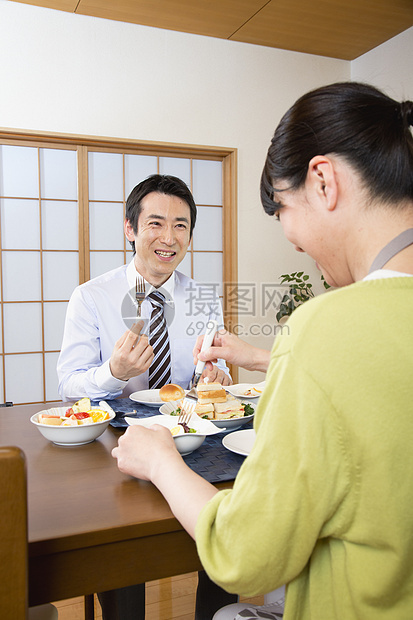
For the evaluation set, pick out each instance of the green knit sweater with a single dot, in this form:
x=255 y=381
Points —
x=324 y=502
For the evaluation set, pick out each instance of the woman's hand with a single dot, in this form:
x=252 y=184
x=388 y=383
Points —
x=215 y=374
x=141 y=449
x=150 y=454
x=233 y=350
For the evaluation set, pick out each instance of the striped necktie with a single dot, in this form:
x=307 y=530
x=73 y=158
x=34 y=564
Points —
x=160 y=369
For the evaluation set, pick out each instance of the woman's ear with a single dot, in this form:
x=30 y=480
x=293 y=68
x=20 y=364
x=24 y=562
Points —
x=322 y=180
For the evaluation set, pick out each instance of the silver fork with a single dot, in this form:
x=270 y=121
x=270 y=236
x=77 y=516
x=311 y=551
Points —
x=186 y=413
x=139 y=292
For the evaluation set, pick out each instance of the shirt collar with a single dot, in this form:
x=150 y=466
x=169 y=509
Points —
x=380 y=274
x=167 y=288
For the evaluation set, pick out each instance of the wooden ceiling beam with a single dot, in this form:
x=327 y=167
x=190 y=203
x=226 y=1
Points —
x=216 y=18
x=337 y=28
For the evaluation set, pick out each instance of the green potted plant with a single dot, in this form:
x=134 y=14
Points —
x=299 y=291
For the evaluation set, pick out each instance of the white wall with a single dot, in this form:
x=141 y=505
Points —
x=389 y=66
x=68 y=73
x=74 y=74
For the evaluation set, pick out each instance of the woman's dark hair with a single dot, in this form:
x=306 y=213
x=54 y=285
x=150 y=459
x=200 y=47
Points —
x=163 y=184
x=356 y=121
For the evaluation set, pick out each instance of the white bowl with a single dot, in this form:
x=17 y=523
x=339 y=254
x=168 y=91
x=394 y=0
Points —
x=228 y=425
x=233 y=423
x=169 y=408
x=186 y=443
x=71 y=435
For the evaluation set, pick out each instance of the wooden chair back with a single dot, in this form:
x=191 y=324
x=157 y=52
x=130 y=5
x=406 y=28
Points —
x=13 y=535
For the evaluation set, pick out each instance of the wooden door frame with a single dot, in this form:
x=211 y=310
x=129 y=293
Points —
x=82 y=143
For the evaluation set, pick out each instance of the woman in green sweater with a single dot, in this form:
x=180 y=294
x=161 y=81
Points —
x=324 y=502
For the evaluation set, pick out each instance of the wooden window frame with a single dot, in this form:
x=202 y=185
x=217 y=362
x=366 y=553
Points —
x=84 y=144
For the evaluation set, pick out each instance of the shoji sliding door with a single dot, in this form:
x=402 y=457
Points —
x=39 y=265
x=62 y=206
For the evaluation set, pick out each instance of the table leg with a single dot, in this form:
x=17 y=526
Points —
x=89 y=607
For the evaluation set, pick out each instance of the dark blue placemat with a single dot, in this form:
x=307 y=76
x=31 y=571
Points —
x=125 y=407
x=212 y=460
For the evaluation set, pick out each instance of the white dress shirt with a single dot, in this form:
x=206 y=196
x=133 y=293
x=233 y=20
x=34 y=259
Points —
x=101 y=310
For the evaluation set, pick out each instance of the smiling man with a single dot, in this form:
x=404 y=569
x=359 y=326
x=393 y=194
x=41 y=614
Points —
x=162 y=236
x=100 y=359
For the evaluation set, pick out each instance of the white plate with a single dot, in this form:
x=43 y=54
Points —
x=186 y=443
x=148 y=397
x=246 y=390
x=230 y=424
x=240 y=442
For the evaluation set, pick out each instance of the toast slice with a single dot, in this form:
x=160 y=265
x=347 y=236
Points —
x=211 y=393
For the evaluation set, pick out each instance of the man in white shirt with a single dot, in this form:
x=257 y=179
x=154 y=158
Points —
x=99 y=358
x=106 y=353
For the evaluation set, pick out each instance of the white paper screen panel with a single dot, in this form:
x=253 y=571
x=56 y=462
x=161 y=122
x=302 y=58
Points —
x=208 y=269
x=60 y=225
x=137 y=168
x=58 y=174
x=177 y=167
x=106 y=225
x=29 y=366
x=24 y=328
x=40 y=266
x=15 y=211
x=105 y=176
x=19 y=171
x=21 y=275
x=208 y=229
x=207 y=182
x=60 y=274
x=39 y=263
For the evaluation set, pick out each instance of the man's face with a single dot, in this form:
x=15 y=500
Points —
x=162 y=237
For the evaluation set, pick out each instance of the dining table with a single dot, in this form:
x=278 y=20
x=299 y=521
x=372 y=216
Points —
x=92 y=528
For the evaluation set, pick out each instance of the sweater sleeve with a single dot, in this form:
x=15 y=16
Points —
x=287 y=494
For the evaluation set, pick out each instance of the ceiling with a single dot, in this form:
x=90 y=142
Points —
x=336 y=28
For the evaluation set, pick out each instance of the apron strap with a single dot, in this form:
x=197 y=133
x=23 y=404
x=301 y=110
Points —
x=395 y=246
